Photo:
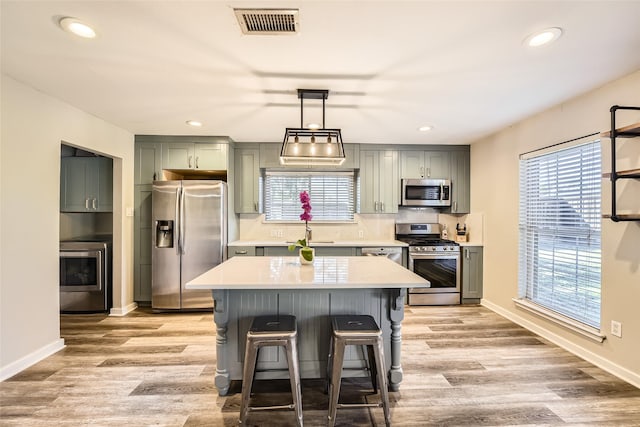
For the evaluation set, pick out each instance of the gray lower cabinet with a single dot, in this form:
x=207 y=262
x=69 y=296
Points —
x=471 y=274
x=241 y=251
x=320 y=251
x=142 y=244
x=86 y=184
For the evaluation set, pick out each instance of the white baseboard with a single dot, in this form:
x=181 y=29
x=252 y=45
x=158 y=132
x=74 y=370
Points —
x=31 y=359
x=605 y=364
x=123 y=311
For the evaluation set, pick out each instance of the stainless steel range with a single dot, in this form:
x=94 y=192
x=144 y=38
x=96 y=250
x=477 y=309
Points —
x=435 y=259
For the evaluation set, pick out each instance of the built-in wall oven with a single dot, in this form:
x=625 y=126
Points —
x=85 y=277
x=434 y=259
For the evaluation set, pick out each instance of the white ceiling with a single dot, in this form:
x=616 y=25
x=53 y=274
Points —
x=390 y=66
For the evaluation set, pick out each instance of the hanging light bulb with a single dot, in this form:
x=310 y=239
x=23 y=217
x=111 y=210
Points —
x=329 y=139
x=296 y=139
x=313 y=139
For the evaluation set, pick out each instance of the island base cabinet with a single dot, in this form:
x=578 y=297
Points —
x=234 y=310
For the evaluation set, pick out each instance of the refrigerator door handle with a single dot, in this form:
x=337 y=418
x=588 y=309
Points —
x=183 y=234
x=178 y=235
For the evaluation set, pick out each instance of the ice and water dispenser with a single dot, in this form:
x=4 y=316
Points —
x=164 y=234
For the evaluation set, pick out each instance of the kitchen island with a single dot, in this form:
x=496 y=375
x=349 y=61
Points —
x=244 y=287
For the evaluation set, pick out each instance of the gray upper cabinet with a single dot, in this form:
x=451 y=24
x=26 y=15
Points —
x=247 y=180
x=460 y=182
x=471 y=274
x=148 y=158
x=86 y=184
x=270 y=156
x=379 y=183
x=203 y=156
x=425 y=164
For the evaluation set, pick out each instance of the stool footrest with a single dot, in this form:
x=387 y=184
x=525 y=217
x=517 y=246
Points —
x=267 y=408
x=359 y=405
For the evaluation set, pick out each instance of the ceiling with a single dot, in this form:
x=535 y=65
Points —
x=390 y=66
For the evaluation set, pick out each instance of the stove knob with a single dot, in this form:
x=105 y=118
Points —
x=433 y=248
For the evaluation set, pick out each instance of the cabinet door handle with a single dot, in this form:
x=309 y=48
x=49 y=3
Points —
x=428 y=172
x=93 y=203
x=381 y=206
x=375 y=206
x=86 y=203
x=197 y=158
x=190 y=157
x=466 y=253
x=455 y=206
x=421 y=171
x=255 y=206
x=241 y=252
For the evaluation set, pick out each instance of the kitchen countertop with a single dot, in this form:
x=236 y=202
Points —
x=463 y=244
x=322 y=242
x=353 y=272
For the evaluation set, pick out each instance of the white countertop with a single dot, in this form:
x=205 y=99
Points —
x=320 y=242
x=358 y=272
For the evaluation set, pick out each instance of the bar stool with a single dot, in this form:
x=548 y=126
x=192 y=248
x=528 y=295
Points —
x=356 y=330
x=271 y=331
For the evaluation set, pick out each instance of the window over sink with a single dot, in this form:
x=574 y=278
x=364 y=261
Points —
x=332 y=195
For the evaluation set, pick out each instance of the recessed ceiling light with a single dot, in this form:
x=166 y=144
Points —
x=425 y=128
x=543 y=37
x=75 y=26
x=194 y=123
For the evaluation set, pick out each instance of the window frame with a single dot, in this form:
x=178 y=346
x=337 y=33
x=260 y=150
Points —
x=315 y=200
x=551 y=230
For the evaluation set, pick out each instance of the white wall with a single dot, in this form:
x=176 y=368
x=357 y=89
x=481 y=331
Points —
x=494 y=193
x=33 y=127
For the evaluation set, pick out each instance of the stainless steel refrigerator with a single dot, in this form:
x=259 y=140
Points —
x=189 y=238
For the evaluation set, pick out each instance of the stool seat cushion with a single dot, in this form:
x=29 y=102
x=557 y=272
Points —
x=354 y=323
x=275 y=323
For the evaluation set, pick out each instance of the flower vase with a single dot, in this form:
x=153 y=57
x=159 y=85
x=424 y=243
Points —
x=307 y=255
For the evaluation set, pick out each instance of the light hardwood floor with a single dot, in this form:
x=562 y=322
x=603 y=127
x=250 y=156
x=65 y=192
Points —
x=463 y=366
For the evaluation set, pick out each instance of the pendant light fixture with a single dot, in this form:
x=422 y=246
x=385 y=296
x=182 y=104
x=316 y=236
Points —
x=312 y=145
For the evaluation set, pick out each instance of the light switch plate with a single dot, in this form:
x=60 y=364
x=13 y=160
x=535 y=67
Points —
x=129 y=212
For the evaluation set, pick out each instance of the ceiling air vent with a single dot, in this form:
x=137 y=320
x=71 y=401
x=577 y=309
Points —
x=268 y=21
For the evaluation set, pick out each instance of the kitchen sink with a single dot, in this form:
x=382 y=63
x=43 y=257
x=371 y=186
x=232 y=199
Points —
x=312 y=241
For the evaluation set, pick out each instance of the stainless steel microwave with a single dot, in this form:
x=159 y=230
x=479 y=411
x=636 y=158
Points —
x=426 y=192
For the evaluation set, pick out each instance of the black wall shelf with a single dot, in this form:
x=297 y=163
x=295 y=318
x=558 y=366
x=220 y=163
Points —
x=631 y=131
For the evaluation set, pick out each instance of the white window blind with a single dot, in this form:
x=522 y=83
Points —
x=559 y=226
x=331 y=193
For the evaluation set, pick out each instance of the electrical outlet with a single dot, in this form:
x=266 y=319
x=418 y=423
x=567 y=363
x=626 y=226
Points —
x=274 y=232
x=616 y=329
x=361 y=234
x=280 y=233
